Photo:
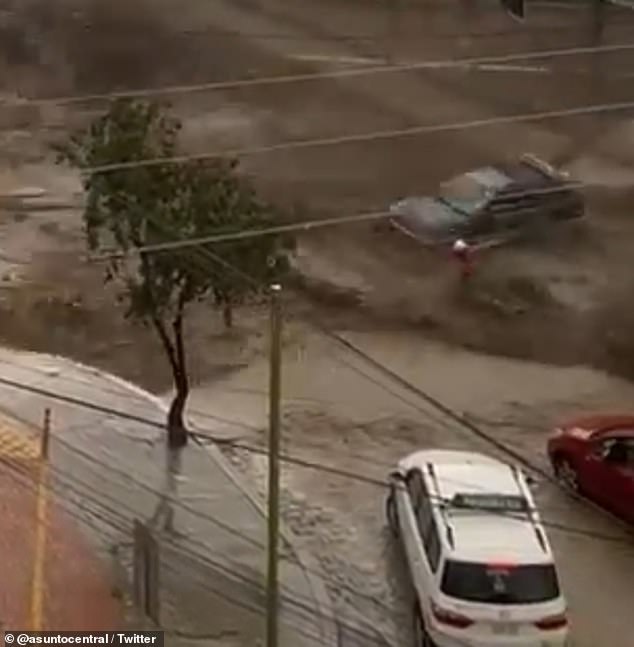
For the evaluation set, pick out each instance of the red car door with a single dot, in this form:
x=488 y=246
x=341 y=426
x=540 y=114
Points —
x=627 y=494
x=609 y=475
x=594 y=473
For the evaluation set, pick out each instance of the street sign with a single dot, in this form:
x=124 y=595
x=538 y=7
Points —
x=515 y=8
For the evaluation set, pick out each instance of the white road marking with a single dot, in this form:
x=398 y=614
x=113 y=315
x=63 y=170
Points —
x=357 y=60
x=346 y=60
x=482 y=67
x=510 y=68
x=490 y=67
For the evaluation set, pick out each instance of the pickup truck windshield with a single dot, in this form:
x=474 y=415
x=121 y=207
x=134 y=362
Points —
x=464 y=193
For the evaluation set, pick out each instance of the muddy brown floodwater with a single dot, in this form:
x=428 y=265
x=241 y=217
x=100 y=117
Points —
x=563 y=297
x=341 y=413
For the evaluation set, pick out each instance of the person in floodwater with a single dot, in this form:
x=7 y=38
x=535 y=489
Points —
x=463 y=253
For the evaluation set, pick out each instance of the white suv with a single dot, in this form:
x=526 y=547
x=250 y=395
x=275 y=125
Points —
x=479 y=559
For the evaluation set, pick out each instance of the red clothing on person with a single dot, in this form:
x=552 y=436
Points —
x=464 y=255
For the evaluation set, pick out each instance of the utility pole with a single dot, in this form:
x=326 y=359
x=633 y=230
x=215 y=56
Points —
x=274 y=466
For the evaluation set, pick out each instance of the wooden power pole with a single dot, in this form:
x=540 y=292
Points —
x=272 y=617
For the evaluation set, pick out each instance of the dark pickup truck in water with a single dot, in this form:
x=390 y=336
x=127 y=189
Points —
x=491 y=201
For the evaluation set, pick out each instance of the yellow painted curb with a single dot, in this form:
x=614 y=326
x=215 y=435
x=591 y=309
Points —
x=19 y=441
x=38 y=579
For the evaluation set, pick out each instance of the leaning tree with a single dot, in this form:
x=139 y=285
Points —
x=130 y=206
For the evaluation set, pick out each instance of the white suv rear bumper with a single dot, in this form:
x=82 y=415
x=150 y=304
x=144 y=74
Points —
x=556 y=639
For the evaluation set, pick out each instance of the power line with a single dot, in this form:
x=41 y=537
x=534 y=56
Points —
x=302 y=227
x=300 y=602
x=364 y=478
x=368 y=480
x=289 y=597
x=377 y=640
x=306 y=226
x=13 y=471
x=143 y=485
x=230 y=421
x=122 y=523
x=215 y=258
x=465 y=422
x=244 y=234
x=375 y=135
x=192 y=554
x=205 y=559
x=203 y=581
x=436 y=404
x=125 y=474
x=286 y=458
x=332 y=74
x=206 y=253
x=132 y=398
x=292 y=600
x=347 y=474
x=315 y=467
x=429 y=399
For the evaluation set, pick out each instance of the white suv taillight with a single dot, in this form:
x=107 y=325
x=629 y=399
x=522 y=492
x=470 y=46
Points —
x=552 y=622
x=450 y=618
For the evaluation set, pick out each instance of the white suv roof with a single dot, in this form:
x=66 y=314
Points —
x=477 y=534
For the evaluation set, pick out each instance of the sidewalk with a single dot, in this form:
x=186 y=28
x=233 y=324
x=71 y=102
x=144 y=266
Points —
x=43 y=554
x=107 y=471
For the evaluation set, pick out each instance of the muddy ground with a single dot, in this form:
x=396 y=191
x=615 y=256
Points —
x=561 y=297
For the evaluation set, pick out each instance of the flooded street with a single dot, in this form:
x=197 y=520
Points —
x=562 y=303
x=344 y=415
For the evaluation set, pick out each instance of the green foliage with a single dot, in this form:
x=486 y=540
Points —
x=133 y=207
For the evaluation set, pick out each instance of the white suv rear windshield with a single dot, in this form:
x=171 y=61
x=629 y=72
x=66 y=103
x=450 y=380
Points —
x=500 y=584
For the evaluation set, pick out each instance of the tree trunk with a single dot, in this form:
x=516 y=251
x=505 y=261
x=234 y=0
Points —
x=227 y=315
x=176 y=429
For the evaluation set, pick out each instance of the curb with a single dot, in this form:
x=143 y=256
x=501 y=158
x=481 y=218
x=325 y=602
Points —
x=325 y=610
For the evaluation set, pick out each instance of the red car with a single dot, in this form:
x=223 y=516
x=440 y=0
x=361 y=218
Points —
x=595 y=457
